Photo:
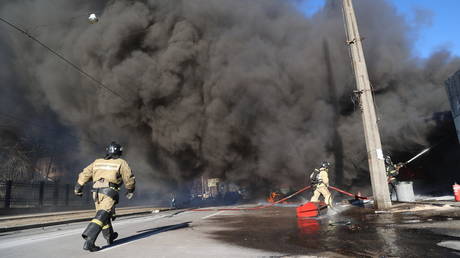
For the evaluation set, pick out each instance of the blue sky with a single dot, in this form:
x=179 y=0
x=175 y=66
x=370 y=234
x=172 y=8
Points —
x=441 y=32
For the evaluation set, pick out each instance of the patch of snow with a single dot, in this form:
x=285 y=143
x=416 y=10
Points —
x=450 y=244
x=435 y=198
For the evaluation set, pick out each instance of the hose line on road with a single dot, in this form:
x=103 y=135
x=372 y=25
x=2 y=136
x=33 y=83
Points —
x=282 y=200
x=347 y=193
x=258 y=207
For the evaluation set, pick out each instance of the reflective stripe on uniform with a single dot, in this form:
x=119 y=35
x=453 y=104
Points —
x=98 y=222
x=106 y=226
x=106 y=166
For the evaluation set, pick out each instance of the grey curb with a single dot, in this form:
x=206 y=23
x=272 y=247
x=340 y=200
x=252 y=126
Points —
x=48 y=224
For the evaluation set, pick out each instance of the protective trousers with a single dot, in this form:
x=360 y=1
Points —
x=392 y=188
x=324 y=191
x=105 y=207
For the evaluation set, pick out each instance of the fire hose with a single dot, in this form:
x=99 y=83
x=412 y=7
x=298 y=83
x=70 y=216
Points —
x=281 y=200
x=258 y=207
x=356 y=196
x=347 y=193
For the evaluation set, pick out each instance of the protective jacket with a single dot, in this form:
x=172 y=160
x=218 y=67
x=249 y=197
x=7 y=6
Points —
x=320 y=177
x=392 y=171
x=115 y=171
x=320 y=182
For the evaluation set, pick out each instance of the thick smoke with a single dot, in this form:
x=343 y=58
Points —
x=251 y=91
x=30 y=132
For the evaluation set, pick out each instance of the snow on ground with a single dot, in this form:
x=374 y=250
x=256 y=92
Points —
x=434 y=198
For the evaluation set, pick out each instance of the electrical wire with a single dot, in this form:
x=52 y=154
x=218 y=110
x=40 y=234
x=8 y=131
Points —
x=80 y=70
x=71 y=64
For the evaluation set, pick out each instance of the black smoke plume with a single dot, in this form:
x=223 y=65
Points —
x=248 y=90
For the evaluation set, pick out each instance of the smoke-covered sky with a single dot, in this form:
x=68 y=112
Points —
x=249 y=90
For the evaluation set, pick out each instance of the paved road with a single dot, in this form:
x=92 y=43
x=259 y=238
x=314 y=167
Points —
x=165 y=234
x=346 y=232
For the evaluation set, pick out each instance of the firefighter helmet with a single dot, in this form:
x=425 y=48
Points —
x=388 y=160
x=325 y=164
x=114 y=150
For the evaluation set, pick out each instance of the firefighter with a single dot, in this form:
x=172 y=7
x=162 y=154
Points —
x=392 y=171
x=107 y=175
x=320 y=183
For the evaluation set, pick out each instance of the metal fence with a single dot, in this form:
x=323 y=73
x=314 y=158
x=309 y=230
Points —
x=40 y=195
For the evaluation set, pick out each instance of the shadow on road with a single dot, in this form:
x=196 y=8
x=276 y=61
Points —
x=148 y=232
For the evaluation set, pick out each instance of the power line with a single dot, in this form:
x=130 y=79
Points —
x=101 y=85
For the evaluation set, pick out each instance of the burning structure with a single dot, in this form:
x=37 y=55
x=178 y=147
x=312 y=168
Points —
x=248 y=91
x=453 y=91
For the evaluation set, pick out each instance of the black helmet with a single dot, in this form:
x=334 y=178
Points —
x=114 y=150
x=388 y=160
x=325 y=164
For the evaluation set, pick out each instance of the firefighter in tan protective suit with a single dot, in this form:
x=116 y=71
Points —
x=320 y=183
x=107 y=175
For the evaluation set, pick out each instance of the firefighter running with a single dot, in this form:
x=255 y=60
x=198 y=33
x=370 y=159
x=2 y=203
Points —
x=320 y=182
x=107 y=175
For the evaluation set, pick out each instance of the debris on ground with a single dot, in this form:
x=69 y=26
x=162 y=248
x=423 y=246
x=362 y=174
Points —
x=340 y=223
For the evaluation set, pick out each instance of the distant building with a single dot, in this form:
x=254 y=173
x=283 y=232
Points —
x=453 y=91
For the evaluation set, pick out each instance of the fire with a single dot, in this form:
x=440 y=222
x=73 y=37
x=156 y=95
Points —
x=273 y=197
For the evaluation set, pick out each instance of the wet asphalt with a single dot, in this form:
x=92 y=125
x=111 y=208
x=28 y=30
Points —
x=239 y=232
x=354 y=232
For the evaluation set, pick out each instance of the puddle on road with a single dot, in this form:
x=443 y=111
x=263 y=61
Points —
x=356 y=233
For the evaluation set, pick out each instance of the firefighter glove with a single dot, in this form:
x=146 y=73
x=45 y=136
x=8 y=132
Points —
x=130 y=193
x=78 y=190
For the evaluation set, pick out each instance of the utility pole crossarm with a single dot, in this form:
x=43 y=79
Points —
x=371 y=131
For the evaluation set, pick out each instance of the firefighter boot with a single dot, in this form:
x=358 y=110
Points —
x=93 y=229
x=90 y=235
x=109 y=235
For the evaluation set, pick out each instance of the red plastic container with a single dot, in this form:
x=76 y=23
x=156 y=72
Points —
x=456 y=192
x=311 y=209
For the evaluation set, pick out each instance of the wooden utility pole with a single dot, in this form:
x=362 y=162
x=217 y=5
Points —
x=371 y=131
